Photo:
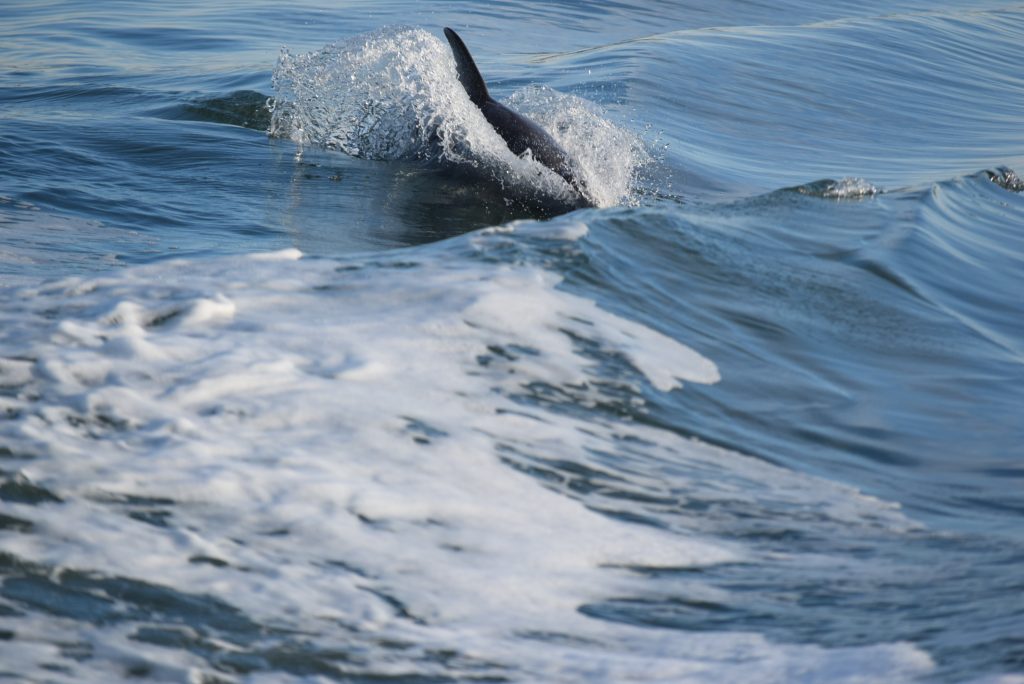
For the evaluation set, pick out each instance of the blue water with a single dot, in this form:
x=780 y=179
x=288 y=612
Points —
x=826 y=207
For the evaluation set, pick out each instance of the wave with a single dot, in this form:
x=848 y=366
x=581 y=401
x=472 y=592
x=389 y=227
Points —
x=900 y=99
x=366 y=452
x=845 y=188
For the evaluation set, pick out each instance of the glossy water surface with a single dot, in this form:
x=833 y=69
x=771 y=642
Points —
x=358 y=400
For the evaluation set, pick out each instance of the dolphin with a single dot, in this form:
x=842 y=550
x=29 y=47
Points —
x=518 y=132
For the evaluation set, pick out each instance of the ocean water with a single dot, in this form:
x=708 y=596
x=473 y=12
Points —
x=304 y=377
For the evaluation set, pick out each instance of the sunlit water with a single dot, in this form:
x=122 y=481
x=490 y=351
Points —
x=305 y=377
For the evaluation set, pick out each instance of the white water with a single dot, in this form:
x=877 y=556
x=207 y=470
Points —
x=329 y=434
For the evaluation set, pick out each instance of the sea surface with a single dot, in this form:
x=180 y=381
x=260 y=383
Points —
x=305 y=377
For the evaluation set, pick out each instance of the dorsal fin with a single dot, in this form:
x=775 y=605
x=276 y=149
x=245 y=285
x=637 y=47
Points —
x=469 y=75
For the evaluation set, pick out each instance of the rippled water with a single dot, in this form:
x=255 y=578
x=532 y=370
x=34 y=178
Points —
x=305 y=377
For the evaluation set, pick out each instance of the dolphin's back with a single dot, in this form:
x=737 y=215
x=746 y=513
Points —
x=518 y=131
x=522 y=133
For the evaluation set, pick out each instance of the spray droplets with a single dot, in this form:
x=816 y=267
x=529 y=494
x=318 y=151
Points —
x=393 y=94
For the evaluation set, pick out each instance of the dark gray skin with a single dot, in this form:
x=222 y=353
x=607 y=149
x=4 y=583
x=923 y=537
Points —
x=518 y=131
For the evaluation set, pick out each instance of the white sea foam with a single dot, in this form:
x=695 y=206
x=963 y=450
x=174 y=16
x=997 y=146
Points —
x=327 y=434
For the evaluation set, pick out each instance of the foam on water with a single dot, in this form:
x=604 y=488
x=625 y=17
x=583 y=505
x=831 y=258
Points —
x=844 y=188
x=318 y=444
x=394 y=94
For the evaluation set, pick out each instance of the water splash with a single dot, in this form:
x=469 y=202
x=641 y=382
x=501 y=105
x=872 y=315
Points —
x=393 y=94
x=844 y=188
x=1007 y=179
x=609 y=157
